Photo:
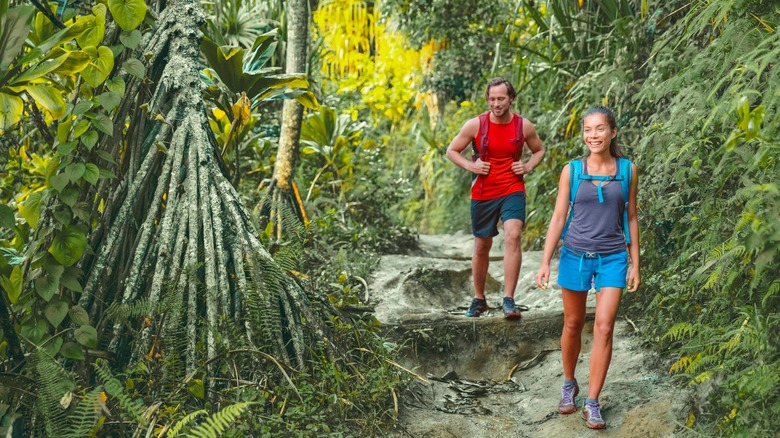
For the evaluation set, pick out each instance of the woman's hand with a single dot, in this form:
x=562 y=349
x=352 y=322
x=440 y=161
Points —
x=543 y=277
x=632 y=282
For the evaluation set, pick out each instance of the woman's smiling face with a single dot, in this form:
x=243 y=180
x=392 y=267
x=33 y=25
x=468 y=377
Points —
x=597 y=133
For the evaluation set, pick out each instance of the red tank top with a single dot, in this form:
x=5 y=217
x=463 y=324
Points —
x=502 y=148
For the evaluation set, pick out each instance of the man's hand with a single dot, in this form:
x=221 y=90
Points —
x=480 y=167
x=519 y=168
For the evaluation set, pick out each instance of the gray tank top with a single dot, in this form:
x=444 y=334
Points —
x=597 y=227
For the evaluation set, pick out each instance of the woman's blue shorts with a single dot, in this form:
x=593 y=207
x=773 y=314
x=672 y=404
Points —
x=580 y=271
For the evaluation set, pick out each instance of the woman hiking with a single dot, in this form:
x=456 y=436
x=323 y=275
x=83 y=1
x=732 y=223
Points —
x=600 y=236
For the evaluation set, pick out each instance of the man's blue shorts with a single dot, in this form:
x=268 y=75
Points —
x=485 y=214
x=579 y=271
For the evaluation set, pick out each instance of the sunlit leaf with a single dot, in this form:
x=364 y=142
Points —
x=11 y=109
x=68 y=245
x=100 y=65
x=128 y=14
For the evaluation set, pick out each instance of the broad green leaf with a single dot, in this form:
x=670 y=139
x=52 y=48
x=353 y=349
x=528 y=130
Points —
x=308 y=100
x=39 y=70
x=77 y=61
x=82 y=107
x=103 y=123
x=135 y=68
x=13 y=284
x=59 y=182
x=11 y=109
x=80 y=128
x=47 y=284
x=33 y=330
x=15 y=28
x=75 y=171
x=70 y=277
x=79 y=315
x=52 y=346
x=109 y=100
x=72 y=350
x=7 y=219
x=52 y=40
x=226 y=61
x=196 y=388
x=263 y=49
x=92 y=173
x=95 y=28
x=49 y=98
x=106 y=174
x=128 y=14
x=63 y=130
x=89 y=139
x=130 y=39
x=68 y=245
x=106 y=156
x=100 y=65
x=63 y=216
x=55 y=312
x=30 y=209
x=86 y=335
x=117 y=85
x=69 y=196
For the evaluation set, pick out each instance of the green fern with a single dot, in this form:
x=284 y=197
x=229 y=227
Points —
x=115 y=389
x=54 y=384
x=215 y=425
x=679 y=331
x=184 y=422
x=83 y=421
x=122 y=312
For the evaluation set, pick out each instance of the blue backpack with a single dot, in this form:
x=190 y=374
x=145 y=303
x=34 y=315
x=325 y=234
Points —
x=623 y=174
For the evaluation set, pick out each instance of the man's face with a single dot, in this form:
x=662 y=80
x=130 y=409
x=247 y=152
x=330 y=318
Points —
x=499 y=101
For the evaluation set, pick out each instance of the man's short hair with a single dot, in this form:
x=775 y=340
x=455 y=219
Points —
x=498 y=81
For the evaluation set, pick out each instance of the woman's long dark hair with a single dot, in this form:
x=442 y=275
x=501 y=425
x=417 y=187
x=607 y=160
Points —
x=614 y=147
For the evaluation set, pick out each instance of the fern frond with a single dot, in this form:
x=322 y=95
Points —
x=682 y=364
x=121 y=312
x=53 y=383
x=115 y=389
x=185 y=421
x=219 y=423
x=83 y=421
x=679 y=331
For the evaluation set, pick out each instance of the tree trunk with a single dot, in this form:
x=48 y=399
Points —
x=292 y=114
x=175 y=238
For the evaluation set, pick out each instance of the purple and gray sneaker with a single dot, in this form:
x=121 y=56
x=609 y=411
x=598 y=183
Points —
x=568 y=393
x=591 y=412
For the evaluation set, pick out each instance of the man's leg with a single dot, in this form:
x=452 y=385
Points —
x=479 y=264
x=513 y=255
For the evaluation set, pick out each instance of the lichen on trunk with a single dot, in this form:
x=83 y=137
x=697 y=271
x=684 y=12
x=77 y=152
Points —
x=177 y=236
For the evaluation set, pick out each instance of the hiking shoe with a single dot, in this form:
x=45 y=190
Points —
x=567 y=404
x=478 y=307
x=592 y=415
x=510 y=310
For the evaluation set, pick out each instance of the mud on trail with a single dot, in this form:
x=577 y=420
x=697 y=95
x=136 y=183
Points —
x=488 y=377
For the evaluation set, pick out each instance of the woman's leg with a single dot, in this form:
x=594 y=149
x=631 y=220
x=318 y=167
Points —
x=607 y=302
x=573 y=321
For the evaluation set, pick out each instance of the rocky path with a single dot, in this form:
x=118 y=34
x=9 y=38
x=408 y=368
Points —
x=487 y=377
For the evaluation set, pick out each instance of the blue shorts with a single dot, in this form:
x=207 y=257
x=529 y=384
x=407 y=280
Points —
x=579 y=271
x=485 y=214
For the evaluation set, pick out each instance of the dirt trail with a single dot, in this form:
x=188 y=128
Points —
x=487 y=377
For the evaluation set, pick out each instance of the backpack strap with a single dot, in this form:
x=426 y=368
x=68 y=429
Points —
x=484 y=125
x=625 y=168
x=575 y=174
x=519 y=136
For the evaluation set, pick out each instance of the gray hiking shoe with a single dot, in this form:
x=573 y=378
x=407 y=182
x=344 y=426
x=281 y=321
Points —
x=510 y=309
x=591 y=412
x=568 y=394
x=478 y=307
